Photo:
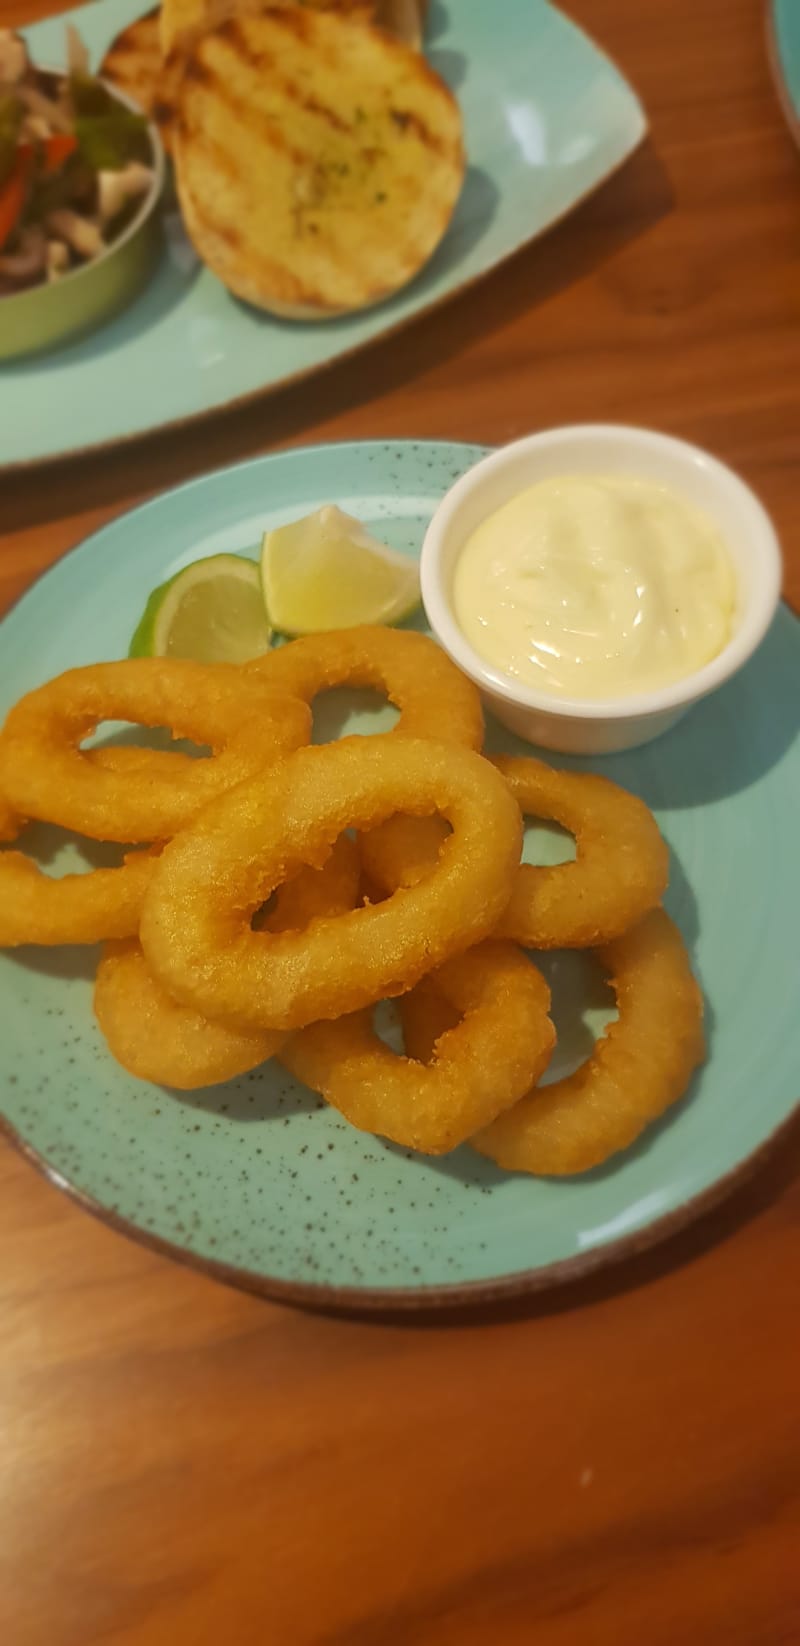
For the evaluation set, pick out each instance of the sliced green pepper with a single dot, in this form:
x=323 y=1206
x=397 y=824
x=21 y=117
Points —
x=107 y=142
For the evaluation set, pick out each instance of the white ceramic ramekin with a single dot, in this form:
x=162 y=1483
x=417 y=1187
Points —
x=572 y=725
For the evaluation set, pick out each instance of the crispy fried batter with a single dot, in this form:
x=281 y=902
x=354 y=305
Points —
x=620 y=871
x=639 y=1067
x=157 y=1039
x=196 y=921
x=74 y=908
x=46 y=774
x=499 y=1048
x=434 y=698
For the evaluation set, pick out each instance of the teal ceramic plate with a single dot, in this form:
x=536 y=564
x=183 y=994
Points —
x=255 y=1179
x=784 y=42
x=547 y=118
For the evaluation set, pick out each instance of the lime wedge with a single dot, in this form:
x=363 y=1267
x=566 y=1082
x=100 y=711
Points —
x=212 y=611
x=327 y=571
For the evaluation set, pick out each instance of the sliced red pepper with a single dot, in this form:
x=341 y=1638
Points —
x=14 y=192
x=57 y=149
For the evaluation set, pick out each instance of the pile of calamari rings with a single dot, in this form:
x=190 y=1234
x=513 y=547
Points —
x=270 y=894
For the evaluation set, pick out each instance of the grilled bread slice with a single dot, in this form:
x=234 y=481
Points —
x=134 y=59
x=180 y=20
x=318 y=160
x=405 y=18
x=183 y=22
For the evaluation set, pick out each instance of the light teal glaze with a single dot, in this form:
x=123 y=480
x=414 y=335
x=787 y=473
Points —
x=547 y=117
x=255 y=1174
x=786 y=38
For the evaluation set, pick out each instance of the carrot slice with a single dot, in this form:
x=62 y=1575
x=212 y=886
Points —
x=14 y=192
x=57 y=149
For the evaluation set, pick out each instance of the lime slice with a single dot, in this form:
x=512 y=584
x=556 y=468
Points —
x=327 y=571
x=212 y=611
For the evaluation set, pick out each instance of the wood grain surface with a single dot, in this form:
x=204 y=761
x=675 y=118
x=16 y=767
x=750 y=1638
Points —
x=617 y=1464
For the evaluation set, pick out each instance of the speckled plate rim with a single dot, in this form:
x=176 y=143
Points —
x=427 y=1299
x=778 y=67
x=391 y=330
x=421 y=1299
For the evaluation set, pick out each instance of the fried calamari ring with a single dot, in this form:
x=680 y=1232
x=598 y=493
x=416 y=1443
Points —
x=156 y=1039
x=76 y=908
x=10 y=823
x=196 y=921
x=434 y=698
x=45 y=773
x=501 y=1045
x=639 y=1067
x=620 y=871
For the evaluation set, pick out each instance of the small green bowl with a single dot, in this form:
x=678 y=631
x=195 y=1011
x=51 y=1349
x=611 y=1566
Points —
x=45 y=315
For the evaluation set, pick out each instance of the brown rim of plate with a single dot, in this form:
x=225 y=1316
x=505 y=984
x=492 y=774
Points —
x=776 y=68
x=267 y=391
x=426 y=1299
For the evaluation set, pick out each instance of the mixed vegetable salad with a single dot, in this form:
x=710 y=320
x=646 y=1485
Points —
x=74 y=165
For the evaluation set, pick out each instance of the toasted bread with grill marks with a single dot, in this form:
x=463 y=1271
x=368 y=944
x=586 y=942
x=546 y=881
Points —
x=318 y=160
x=134 y=59
x=180 y=20
x=405 y=18
x=183 y=22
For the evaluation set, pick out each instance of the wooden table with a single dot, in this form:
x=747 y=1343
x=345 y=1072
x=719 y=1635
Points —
x=616 y=1463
